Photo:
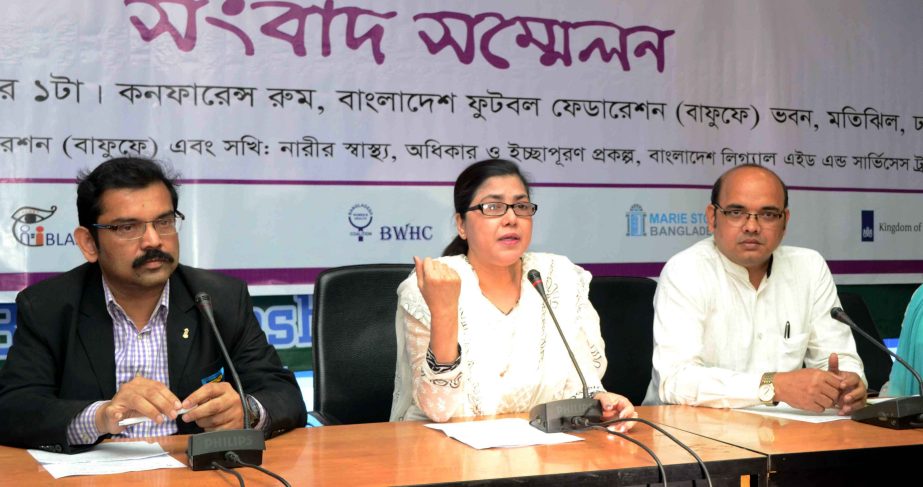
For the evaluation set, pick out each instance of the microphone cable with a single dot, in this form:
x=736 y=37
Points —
x=233 y=457
x=240 y=478
x=663 y=473
x=581 y=422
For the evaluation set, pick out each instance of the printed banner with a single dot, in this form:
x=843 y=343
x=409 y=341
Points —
x=317 y=133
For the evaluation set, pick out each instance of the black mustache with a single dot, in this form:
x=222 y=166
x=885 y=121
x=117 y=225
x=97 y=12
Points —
x=151 y=255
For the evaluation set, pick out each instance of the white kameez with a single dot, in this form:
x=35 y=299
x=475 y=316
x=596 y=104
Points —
x=509 y=362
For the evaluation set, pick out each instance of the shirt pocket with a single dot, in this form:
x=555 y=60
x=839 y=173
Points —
x=792 y=351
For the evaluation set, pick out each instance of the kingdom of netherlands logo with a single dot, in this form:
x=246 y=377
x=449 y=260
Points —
x=360 y=217
x=868 y=226
x=635 y=220
x=25 y=230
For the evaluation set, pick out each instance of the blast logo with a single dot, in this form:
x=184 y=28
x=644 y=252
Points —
x=27 y=232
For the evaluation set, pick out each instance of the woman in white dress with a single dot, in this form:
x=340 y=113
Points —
x=473 y=337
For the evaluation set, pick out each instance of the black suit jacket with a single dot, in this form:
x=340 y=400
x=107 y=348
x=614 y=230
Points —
x=63 y=354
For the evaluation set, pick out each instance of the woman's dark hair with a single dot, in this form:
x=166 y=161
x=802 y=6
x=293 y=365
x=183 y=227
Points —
x=468 y=183
x=119 y=173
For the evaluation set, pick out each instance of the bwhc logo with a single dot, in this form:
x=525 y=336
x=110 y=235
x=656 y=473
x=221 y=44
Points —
x=868 y=226
x=360 y=217
x=635 y=220
x=27 y=233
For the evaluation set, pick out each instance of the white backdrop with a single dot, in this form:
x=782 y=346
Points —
x=299 y=127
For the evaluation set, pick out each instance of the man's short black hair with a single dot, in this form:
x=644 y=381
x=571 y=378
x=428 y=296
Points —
x=119 y=173
x=716 y=188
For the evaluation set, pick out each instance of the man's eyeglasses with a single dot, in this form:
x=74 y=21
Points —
x=496 y=208
x=168 y=225
x=739 y=217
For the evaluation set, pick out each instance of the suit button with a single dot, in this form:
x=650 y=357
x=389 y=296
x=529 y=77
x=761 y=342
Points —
x=58 y=448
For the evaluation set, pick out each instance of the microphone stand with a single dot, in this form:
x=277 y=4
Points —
x=557 y=416
x=898 y=413
x=206 y=450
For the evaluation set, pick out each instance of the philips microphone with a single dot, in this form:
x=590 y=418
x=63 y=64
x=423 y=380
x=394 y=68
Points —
x=204 y=449
x=898 y=413
x=557 y=416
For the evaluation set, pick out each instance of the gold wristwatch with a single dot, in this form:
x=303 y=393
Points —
x=767 y=389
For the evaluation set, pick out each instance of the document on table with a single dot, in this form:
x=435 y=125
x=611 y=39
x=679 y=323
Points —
x=501 y=433
x=107 y=458
x=784 y=411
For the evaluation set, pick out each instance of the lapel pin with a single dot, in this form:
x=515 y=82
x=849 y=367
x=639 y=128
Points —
x=185 y=332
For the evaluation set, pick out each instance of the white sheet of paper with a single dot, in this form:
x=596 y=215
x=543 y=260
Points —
x=103 y=452
x=784 y=411
x=501 y=433
x=58 y=470
x=107 y=458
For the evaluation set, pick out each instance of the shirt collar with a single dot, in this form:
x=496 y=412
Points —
x=737 y=270
x=113 y=307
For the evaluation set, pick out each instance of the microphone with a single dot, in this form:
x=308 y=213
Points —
x=206 y=449
x=898 y=413
x=557 y=416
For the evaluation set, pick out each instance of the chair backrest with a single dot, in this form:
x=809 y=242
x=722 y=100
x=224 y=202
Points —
x=354 y=343
x=877 y=363
x=626 y=319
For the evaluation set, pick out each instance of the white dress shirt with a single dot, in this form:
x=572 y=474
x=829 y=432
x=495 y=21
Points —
x=715 y=335
x=509 y=362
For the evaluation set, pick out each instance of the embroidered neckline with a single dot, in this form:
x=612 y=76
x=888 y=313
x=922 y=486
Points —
x=522 y=262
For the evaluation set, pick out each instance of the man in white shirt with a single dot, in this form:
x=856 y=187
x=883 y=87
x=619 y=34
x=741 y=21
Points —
x=737 y=316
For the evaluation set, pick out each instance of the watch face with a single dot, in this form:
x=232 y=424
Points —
x=767 y=392
x=254 y=411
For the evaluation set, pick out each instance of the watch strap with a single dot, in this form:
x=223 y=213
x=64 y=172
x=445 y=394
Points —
x=768 y=380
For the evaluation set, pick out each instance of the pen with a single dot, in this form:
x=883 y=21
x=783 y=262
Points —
x=142 y=419
x=788 y=330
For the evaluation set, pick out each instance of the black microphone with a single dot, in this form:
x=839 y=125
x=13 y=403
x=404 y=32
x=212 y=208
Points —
x=899 y=413
x=557 y=416
x=205 y=449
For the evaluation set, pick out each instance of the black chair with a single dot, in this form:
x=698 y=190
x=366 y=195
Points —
x=354 y=343
x=626 y=319
x=877 y=363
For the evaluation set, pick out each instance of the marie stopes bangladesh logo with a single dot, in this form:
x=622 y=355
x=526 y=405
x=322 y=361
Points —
x=674 y=222
x=28 y=231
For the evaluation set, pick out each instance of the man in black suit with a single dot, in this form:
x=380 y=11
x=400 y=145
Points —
x=120 y=336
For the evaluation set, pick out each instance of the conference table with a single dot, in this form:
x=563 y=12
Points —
x=733 y=444
x=801 y=453
x=411 y=454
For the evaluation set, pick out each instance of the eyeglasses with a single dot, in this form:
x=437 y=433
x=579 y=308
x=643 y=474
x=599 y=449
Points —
x=739 y=217
x=497 y=208
x=168 y=225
